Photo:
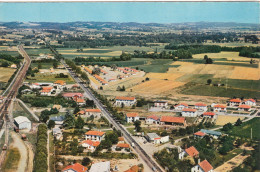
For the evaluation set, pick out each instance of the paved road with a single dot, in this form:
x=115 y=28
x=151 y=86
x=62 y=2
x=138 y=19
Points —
x=153 y=165
x=28 y=109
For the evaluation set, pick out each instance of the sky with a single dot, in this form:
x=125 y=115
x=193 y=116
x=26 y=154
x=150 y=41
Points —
x=142 y=12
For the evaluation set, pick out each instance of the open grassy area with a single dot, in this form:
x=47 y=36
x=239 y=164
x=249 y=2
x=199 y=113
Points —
x=245 y=129
x=44 y=65
x=37 y=51
x=6 y=73
x=11 y=161
x=39 y=77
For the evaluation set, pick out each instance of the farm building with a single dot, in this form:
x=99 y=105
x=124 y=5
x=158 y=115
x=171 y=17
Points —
x=127 y=101
x=189 y=112
x=100 y=167
x=235 y=102
x=191 y=151
x=201 y=107
x=95 y=135
x=181 y=106
x=203 y=166
x=250 y=102
x=75 y=168
x=209 y=115
x=244 y=108
x=172 y=120
x=161 y=104
x=22 y=122
x=220 y=108
x=213 y=133
x=89 y=144
x=199 y=134
x=132 y=117
x=152 y=119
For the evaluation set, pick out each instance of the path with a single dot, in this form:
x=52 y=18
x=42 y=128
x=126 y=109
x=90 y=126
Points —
x=18 y=143
x=48 y=150
x=30 y=156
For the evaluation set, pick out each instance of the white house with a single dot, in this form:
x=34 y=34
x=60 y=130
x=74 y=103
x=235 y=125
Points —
x=191 y=151
x=152 y=119
x=95 y=135
x=100 y=167
x=46 y=91
x=235 y=102
x=209 y=115
x=203 y=166
x=132 y=117
x=153 y=137
x=35 y=86
x=58 y=120
x=22 y=122
x=161 y=104
x=95 y=112
x=90 y=145
x=244 y=108
x=220 y=108
x=181 y=106
x=127 y=101
x=250 y=102
x=201 y=107
x=189 y=112
x=75 y=168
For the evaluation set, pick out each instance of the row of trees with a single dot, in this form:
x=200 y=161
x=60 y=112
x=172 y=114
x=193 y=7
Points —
x=77 y=69
x=41 y=154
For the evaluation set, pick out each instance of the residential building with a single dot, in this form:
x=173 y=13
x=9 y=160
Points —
x=199 y=134
x=161 y=104
x=124 y=146
x=203 y=166
x=57 y=133
x=46 y=91
x=250 y=102
x=14 y=66
x=127 y=101
x=213 y=133
x=153 y=137
x=58 y=107
x=201 y=107
x=220 y=108
x=181 y=106
x=58 y=120
x=72 y=95
x=189 y=112
x=235 y=102
x=152 y=119
x=121 y=140
x=35 y=86
x=95 y=135
x=132 y=117
x=80 y=101
x=172 y=120
x=22 y=122
x=244 y=108
x=95 y=112
x=100 y=167
x=209 y=115
x=90 y=145
x=191 y=151
x=75 y=168
x=134 y=168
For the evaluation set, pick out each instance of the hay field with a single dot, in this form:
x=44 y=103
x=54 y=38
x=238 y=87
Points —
x=225 y=55
x=219 y=71
x=113 y=53
x=246 y=73
x=5 y=73
x=186 y=67
x=156 y=86
x=169 y=76
x=224 y=119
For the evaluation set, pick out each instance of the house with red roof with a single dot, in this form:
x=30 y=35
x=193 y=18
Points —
x=152 y=119
x=95 y=112
x=250 y=102
x=46 y=91
x=220 y=108
x=132 y=117
x=199 y=134
x=123 y=146
x=235 y=102
x=161 y=104
x=209 y=115
x=244 y=108
x=191 y=151
x=80 y=102
x=172 y=120
x=89 y=145
x=203 y=166
x=95 y=135
x=201 y=107
x=77 y=167
x=181 y=106
x=189 y=112
x=134 y=168
x=72 y=95
x=127 y=101
x=155 y=139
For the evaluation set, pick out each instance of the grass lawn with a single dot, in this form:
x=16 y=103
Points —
x=44 y=65
x=37 y=51
x=245 y=129
x=11 y=160
x=39 y=77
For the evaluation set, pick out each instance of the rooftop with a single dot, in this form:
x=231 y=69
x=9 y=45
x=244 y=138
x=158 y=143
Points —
x=153 y=135
x=172 y=119
x=192 y=151
x=95 y=133
x=211 y=132
x=76 y=167
x=125 y=98
x=132 y=115
x=100 y=166
x=206 y=166
x=209 y=113
x=21 y=119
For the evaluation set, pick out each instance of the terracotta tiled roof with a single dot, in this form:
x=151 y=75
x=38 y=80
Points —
x=132 y=115
x=46 y=89
x=189 y=110
x=100 y=79
x=235 y=100
x=153 y=117
x=81 y=112
x=125 y=98
x=76 y=167
x=209 y=113
x=123 y=145
x=244 y=106
x=91 y=143
x=88 y=70
x=134 y=168
x=72 y=94
x=219 y=106
x=172 y=119
x=252 y=100
x=183 y=104
x=199 y=133
x=121 y=139
x=93 y=110
x=192 y=151
x=200 y=104
x=205 y=165
x=80 y=100
x=95 y=133
x=59 y=82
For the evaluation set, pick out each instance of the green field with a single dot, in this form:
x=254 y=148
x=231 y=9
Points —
x=48 y=78
x=11 y=160
x=44 y=65
x=37 y=51
x=245 y=129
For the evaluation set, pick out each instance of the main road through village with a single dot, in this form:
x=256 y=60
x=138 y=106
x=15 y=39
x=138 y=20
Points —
x=151 y=163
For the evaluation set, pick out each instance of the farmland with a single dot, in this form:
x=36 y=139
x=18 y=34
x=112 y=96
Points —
x=224 y=119
x=48 y=77
x=5 y=74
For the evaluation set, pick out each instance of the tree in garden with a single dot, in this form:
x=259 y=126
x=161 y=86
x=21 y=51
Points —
x=86 y=161
x=69 y=121
x=44 y=117
x=79 y=124
x=227 y=127
x=51 y=124
x=137 y=125
x=238 y=122
x=76 y=110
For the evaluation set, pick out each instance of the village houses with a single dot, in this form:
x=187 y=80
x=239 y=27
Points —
x=127 y=101
x=250 y=102
x=189 y=112
x=89 y=145
x=152 y=119
x=161 y=104
x=132 y=117
x=220 y=108
x=181 y=106
x=191 y=151
x=203 y=166
x=235 y=102
x=95 y=135
x=201 y=107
